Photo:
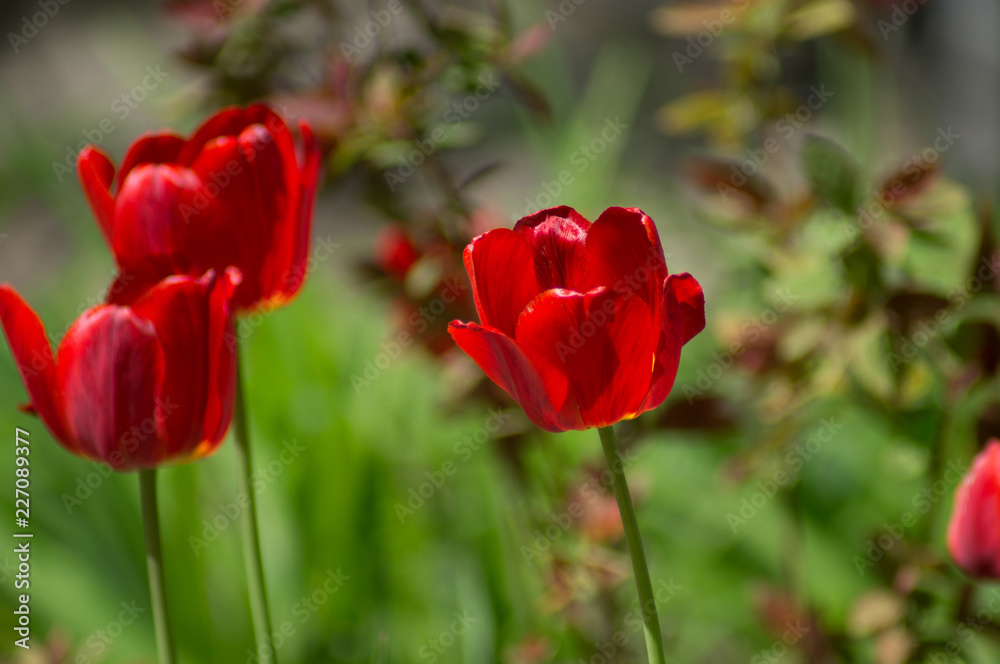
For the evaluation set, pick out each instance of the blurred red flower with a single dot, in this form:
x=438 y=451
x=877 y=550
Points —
x=238 y=193
x=137 y=383
x=395 y=252
x=425 y=275
x=580 y=322
x=974 y=529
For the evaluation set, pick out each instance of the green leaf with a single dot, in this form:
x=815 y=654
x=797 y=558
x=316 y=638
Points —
x=832 y=172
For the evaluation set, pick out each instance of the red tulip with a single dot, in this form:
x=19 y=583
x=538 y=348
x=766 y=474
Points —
x=235 y=194
x=580 y=322
x=134 y=384
x=974 y=530
x=395 y=252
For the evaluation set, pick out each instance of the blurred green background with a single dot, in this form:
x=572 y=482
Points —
x=793 y=491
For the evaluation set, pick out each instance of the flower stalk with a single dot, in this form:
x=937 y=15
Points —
x=154 y=567
x=259 y=608
x=647 y=601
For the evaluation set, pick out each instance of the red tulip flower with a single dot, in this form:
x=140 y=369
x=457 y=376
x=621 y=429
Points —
x=580 y=322
x=134 y=384
x=974 y=530
x=395 y=252
x=237 y=193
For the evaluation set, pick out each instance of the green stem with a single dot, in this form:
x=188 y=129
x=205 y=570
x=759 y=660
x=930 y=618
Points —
x=647 y=601
x=154 y=567
x=251 y=536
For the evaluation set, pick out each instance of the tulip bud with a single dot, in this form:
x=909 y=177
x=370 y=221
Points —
x=974 y=529
x=136 y=383
x=238 y=193
x=580 y=323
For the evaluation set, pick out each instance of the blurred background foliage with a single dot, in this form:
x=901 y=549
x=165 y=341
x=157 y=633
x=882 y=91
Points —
x=825 y=168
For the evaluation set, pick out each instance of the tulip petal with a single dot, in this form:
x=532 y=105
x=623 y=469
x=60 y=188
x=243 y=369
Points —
x=233 y=122
x=96 y=174
x=110 y=364
x=126 y=288
x=499 y=263
x=151 y=148
x=683 y=318
x=557 y=235
x=178 y=309
x=211 y=238
x=685 y=305
x=624 y=253
x=974 y=529
x=33 y=356
x=244 y=226
x=290 y=281
x=545 y=402
x=153 y=211
x=222 y=359
x=602 y=341
x=237 y=193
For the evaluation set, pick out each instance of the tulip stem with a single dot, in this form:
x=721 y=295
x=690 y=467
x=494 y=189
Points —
x=154 y=567
x=647 y=601
x=251 y=534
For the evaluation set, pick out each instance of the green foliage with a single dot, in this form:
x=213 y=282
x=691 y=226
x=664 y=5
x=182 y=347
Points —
x=801 y=470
